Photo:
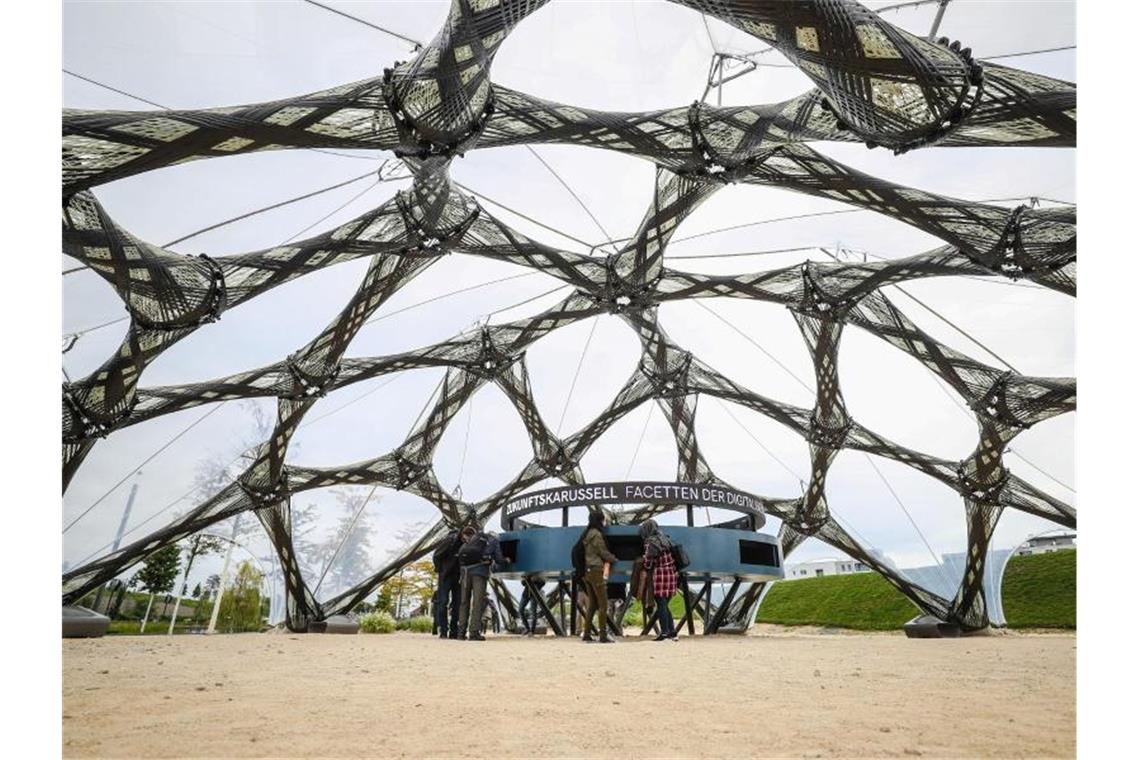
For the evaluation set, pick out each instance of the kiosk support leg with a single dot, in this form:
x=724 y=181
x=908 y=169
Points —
x=555 y=625
x=722 y=610
x=573 y=606
x=560 y=597
x=688 y=597
x=695 y=607
x=506 y=599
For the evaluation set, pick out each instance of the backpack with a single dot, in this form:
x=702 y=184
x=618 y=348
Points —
x=443 y=558
x=680 y=556
x=578 y=557
x=473 y=551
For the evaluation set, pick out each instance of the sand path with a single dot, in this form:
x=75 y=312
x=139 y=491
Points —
x=773 y=693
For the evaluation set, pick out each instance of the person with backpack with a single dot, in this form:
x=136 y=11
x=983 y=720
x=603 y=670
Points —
x=477 y=555
x=596 y=559
x=445 y=559
x=662 y=568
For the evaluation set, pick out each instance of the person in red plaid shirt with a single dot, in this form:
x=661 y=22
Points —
x=659 y=561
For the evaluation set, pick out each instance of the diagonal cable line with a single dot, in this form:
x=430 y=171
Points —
x=981 y=345
x=577 y=372
x=570 y=190
x=141 y=464
x=528 y=300
x=758 y=442
x=270 y=207
x=416 y=44
x=518 y=213
x=343 y=540
x=949 y=583
x=450 y=294
x=753 y=341
x=335 y=211
x=956 y=328
x=347 y=404
x=261 y=210
x=1023 y=458
x=801 y=382
x=640 y=439
x=768 y=252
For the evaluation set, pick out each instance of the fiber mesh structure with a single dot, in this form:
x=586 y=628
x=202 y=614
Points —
x=873 y=83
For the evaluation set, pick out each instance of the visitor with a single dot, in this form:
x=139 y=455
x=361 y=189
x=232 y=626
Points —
x=529 y=600
x=659 y=563
x=598 y=559
x=446 y=562
x=479 y=551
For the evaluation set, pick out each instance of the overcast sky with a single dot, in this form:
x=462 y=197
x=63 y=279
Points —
x=618 y=55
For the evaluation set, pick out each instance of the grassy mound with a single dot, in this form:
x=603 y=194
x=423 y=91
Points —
x=864 y=601
x=1040 y=591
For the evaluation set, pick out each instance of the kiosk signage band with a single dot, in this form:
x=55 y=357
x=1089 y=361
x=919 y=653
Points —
x=636 y=492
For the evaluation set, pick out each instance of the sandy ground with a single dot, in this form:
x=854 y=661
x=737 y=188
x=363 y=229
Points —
x=776 y=693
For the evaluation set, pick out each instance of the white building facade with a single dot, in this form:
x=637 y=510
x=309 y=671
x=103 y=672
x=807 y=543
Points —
x=818 y=568
x=1047 y=544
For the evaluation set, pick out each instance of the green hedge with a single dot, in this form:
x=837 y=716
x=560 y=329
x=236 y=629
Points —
x=418 y=624
x=377 y=622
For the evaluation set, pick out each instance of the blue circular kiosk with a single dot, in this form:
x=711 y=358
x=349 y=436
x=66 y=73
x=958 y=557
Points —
x=731 y=552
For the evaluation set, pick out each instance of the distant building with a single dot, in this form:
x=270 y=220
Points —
x=818 y=568
x=1047 y=544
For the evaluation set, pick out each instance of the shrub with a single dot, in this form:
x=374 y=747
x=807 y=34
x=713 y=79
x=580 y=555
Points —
x=377 y=622
x=418 y=624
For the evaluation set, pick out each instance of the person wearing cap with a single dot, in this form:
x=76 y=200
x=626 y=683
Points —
x=479 y=553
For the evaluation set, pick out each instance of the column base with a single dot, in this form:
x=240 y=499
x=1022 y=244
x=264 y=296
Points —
x=334 y=624
x=930 y=627
x=82 y=623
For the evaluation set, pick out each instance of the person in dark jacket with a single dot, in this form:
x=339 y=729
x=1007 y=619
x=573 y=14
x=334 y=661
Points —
x=662 y=569
x=446 y=562
x=532 y=603
x=599 y=558
x=477 y=555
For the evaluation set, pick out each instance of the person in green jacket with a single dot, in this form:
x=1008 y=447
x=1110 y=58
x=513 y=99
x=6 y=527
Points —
x=598 y=561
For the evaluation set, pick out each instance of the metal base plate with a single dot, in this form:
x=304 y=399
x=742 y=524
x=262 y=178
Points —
x=82 y=623
x=930 y=627
x=335 y=624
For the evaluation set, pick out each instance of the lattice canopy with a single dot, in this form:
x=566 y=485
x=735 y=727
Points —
x=874 y=83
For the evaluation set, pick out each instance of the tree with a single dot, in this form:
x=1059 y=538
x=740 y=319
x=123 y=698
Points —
x=215 y=472
x=408 y=590
x=384 y=598
x=199 y=545
x=241 y=602
x=348 y=551
x=212 y=584
x=158 y=574
x=197 y=592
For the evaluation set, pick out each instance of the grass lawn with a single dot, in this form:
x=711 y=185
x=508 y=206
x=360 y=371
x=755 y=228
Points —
x=864 y=602
x=1038 y=591
x=153 y=627
x=1041 y=591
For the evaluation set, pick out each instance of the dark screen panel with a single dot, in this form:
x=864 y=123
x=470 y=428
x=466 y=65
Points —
x=758 y=553
x=510 y=549
x=625 y=548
